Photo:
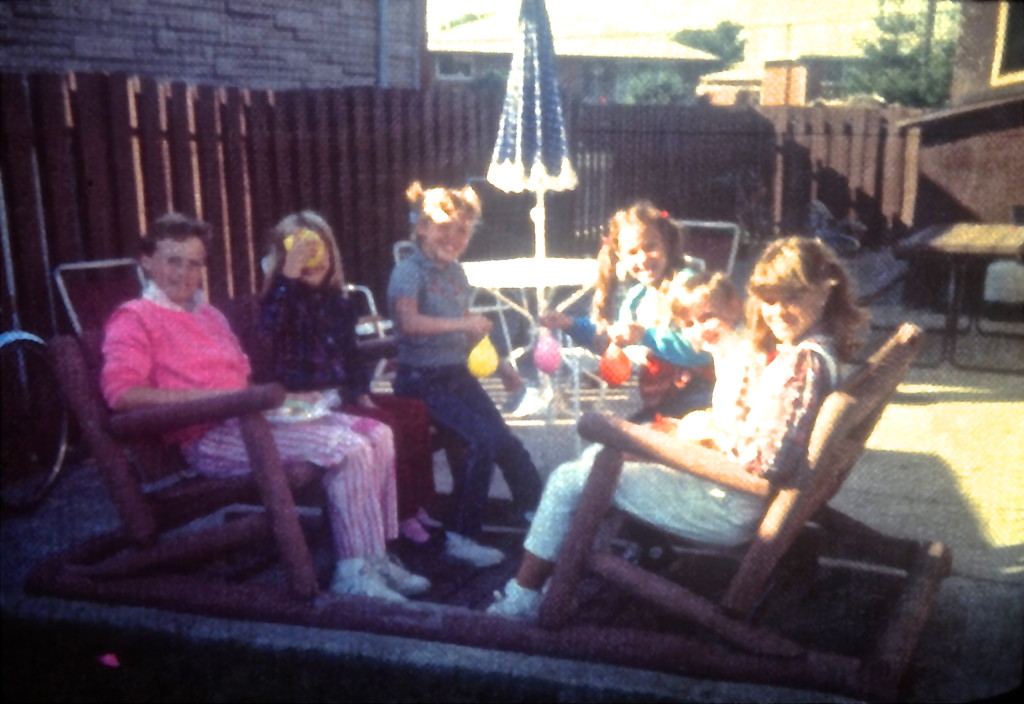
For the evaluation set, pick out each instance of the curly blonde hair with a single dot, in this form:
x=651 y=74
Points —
x=791 y=266
x=441 y=204
x=705 y=294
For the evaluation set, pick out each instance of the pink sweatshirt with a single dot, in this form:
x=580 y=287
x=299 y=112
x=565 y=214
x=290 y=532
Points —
x=146 y=344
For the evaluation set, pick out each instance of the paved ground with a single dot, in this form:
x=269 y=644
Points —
x=944 y=464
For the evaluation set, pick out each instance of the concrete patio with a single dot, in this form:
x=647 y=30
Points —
x=943 y=465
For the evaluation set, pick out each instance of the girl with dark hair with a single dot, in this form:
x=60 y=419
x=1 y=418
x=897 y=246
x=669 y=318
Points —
x=640 y=257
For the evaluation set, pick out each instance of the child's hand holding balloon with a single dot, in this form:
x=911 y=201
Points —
x=547 y=353
x=483 y=359
x=615 y=367
x=304 y=250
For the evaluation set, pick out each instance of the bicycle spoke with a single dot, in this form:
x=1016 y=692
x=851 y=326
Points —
x=34 y=424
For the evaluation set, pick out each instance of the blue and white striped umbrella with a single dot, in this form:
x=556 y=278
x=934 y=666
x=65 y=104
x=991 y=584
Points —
x=531 y=152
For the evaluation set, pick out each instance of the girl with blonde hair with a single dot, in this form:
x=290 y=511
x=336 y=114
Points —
x=428 y=297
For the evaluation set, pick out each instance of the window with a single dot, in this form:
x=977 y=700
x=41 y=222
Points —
x=454 y=67
x=1008 y=61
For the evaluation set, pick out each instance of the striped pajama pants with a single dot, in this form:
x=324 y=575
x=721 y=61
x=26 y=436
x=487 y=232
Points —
x=357 y=455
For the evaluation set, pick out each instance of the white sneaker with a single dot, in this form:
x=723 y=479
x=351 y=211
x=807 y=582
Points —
x=533 y=403
x=355 y=576
x=516 y=602
x=462 y=548
x=398 y=578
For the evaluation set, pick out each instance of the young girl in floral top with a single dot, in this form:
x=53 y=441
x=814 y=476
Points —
x=311 y=325
x=801 y=314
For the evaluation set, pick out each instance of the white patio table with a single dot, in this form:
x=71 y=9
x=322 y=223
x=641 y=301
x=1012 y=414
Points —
x=542 y=275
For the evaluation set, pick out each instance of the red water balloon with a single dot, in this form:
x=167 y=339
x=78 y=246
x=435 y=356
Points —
x=615 y=367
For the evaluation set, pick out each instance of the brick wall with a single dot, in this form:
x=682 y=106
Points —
x=275 y=44
x=972 y=70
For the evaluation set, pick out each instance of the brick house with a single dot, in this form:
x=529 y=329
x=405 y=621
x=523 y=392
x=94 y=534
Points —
x=593 y=62
x=981 y=134
x=254 y=43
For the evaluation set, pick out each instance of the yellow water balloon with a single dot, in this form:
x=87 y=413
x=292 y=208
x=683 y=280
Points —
x=305 y=234
x=483 y=359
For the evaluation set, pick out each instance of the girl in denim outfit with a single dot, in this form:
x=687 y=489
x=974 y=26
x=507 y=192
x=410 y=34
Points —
x=428 y=298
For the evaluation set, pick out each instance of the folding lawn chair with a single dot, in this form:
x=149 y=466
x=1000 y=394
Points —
x=715 y=242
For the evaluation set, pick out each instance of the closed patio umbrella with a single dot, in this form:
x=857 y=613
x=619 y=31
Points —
x=531 y=152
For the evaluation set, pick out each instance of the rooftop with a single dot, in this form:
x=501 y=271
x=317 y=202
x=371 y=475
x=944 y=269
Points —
x=496 y=34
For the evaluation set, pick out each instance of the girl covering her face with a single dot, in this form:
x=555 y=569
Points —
x=311 y=327
x=305 y=243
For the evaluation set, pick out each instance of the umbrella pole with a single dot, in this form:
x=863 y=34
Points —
x=538 y=214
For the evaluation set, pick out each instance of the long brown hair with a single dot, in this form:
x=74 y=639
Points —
x=795 y=265
x=645 y=215
x=289 y=225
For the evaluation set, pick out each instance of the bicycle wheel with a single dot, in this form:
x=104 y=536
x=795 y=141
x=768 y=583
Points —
x=34 y=422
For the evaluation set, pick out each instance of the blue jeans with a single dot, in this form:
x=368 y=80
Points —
x=459 y=405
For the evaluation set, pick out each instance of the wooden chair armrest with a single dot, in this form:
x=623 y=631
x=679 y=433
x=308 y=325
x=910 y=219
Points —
x=159 y=419
x=376 y=348
x=660 y=447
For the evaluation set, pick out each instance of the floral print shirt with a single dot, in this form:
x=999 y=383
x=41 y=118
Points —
x=764 y=406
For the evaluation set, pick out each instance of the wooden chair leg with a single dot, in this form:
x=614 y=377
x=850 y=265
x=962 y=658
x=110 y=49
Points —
x=280 y=505
x=882 y=670
x=595 y=501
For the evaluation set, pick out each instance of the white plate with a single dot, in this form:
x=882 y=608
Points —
x=296 y=413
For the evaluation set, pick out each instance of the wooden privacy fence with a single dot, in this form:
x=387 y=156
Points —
x=712 y=163
x=851 y=159
x=86 y=160
x=687 y=160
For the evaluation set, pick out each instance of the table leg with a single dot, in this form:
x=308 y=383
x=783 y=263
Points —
x=954 y=303
x=959 y=275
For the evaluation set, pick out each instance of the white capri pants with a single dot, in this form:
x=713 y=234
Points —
x=674 y=501
x=357 y=455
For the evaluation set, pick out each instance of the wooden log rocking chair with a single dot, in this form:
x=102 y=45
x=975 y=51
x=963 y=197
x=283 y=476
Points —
x=752 y=649
x=165 y=511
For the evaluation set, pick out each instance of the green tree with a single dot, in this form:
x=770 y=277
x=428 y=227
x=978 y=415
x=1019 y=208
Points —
x=465 y=19
x=492 y=81
x=723 y=41
x=657 y=87
x=909 y=62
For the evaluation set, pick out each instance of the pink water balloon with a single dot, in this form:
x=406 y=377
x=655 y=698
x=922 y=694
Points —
x=547 y=353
